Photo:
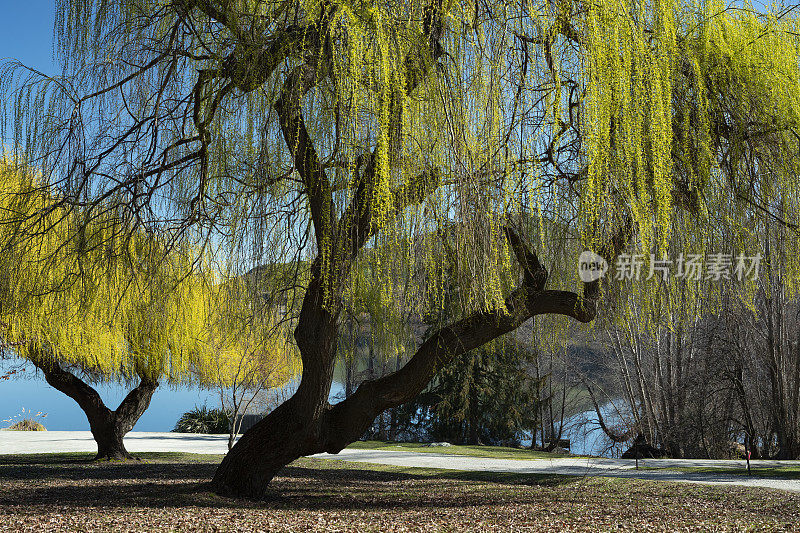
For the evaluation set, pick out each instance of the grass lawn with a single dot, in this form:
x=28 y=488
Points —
x=781 y=472
x=63 y=492
x=497 y=452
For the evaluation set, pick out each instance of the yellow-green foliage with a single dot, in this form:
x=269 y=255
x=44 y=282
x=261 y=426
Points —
x=709 y=106
x=628 y=115
x=89 y=291
x=570 y=117
x=249 y=345
x=658 y=79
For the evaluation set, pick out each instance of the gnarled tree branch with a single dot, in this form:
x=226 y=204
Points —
x=347 y=420
x=306 y=160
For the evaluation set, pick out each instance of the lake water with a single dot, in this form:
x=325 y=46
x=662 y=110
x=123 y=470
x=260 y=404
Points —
x=28 y=390
x=32 y=393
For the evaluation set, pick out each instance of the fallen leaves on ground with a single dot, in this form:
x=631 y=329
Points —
x=319 y=495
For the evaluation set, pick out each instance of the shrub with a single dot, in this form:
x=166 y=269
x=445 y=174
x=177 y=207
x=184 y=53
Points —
x=203 y=420
x=27 y=424
x=26 y=421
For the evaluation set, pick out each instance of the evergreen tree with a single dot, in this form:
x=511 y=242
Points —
x=486 y=396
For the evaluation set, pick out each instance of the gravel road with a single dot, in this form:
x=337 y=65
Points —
x=81 y=441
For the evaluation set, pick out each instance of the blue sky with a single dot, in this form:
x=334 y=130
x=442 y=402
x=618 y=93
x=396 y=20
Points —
x=26 y=32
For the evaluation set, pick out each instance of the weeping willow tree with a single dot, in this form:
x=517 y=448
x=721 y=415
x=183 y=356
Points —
x=85 y=300
x=421 y=136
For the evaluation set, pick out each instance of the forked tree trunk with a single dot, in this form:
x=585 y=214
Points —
x=307 y=424
x=108 y=427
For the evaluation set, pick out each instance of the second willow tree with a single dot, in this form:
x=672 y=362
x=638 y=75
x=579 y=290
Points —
x=85 y=301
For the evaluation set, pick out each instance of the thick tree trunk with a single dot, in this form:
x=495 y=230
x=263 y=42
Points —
x=108 y=435
x=294 y=428
x=108 y=427
x=277 y=440
x=788 y=446
x=307 y=423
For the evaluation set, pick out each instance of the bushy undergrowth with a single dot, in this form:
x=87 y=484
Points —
x=203 y=420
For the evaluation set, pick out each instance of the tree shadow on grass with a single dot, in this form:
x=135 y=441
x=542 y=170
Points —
x=81 y=466
x=88 y=458
x=315 y=484
x=179 y=436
